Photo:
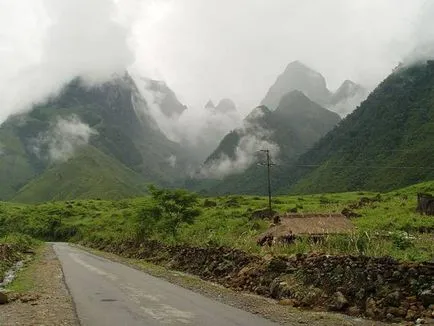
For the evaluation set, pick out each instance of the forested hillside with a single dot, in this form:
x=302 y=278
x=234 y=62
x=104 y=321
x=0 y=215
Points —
x=388 y=142
x=87 y=142
x=290 y=130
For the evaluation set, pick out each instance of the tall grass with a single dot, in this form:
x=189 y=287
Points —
x=389 y=226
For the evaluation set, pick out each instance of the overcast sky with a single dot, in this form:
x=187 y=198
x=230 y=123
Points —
x=202 y=48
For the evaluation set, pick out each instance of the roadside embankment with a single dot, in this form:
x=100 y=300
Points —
x=38 y=295
x=14 y=250
x=378 y=288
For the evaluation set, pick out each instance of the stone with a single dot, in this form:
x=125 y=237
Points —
x=370 y=307
x=277 y=265
x=420 y=321
x=411 y=315
x=339 y=302
x=353 y=311
x=394 y=299
x=360 y=294
x=397 y=312
x=3 y=298
x=412 y=299
x=312 y=297
x=279 y=289
x=287 y=302
x=427 y=297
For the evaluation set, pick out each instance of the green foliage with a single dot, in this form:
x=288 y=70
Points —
x=402 y=240
x=20 y=242
x=390 y=227
x=173 y=208
x=385 y=144
x=89 y=174
x=125 y=150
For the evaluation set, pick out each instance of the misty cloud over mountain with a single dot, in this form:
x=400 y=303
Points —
x=191 y=47
x=164 y=83
x=73 y=38
x=64 y=137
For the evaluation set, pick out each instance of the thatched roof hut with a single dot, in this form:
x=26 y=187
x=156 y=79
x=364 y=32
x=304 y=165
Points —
x=293 y=225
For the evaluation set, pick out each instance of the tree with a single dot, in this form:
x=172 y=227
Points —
x=171 y=208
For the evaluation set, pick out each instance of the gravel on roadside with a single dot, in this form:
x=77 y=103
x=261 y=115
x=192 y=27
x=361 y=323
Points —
x=48 y=303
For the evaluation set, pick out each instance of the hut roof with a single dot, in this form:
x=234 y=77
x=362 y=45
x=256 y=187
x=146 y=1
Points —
x=312 y=224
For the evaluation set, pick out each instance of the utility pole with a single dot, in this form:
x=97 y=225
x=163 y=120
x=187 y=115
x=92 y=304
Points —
x=268 y=164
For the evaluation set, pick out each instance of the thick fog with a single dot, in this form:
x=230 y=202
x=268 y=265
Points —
x=213 y=49
x=46 y=43
x=204 y=49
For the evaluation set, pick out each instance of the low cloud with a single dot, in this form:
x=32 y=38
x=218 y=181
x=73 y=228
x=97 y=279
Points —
x=68 y=39
x=63 y=139
x=254 y=139
x=422 y=41
x=200 y=130
x=172 y=160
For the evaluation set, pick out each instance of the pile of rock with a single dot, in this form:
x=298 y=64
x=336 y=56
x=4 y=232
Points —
x=379 y=288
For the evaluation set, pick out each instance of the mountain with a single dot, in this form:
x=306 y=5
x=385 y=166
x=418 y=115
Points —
x=88 y=174
x=287 y=132
x=108 y=126
x=226 y=106
x=210 y=105
x=157 y=92
x=347 y=90
x=210 y=126
x=347 y=97
x=298 y=76
x=385 y=144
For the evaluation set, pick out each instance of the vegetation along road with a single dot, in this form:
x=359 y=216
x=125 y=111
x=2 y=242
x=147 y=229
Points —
x=109 y=293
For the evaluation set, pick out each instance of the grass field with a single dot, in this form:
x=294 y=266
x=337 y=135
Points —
x=389 y=226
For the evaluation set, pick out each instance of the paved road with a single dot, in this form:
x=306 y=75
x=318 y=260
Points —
x=108 y=293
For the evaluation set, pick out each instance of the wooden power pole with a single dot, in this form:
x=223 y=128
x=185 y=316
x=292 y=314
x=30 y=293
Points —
x=268 y=164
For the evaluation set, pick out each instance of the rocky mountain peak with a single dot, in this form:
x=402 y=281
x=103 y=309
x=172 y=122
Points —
x=210 y=105
x=298 y=76
x=226 y=106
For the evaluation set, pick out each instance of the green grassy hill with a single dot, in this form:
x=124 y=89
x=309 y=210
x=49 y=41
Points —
x=388 y=224
x=89 y=174
x=126 y=147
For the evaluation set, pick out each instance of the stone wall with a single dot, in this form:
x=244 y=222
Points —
x=379 y=288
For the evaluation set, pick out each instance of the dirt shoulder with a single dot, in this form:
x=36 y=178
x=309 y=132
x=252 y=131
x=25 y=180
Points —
x=271 y=309
x=39 y=295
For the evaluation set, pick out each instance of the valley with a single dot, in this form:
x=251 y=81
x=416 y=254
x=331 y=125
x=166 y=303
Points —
x=216 y=239
x=110 y=170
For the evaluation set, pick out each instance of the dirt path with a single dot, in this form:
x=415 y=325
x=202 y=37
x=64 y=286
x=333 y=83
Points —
x=45 y=301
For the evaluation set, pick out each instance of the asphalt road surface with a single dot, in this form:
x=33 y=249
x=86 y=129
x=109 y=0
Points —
x=108 y=293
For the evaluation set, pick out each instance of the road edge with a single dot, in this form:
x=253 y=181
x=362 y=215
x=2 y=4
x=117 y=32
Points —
x=65 y=284
x=252 y=303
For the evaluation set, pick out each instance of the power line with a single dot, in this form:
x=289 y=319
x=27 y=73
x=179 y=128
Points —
x=376 y=167
x=369 y=167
